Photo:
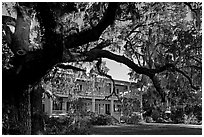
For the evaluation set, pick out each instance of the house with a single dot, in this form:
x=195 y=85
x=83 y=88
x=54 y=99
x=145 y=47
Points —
x=92 y=92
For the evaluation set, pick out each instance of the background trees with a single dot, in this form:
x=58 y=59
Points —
x=159 y=40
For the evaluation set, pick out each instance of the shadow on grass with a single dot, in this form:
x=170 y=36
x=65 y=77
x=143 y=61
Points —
x=145 y=130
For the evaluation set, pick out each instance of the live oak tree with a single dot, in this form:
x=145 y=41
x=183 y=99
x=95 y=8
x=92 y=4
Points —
x=144 y=36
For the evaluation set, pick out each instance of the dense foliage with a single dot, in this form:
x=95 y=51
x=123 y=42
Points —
x=67 y=125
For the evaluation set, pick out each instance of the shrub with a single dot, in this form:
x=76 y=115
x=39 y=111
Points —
x=71 y=125
x=133 y=120
x=102 y=120
x=156 y=115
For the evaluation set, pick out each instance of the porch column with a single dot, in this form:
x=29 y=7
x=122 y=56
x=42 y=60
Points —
x=111 y=87
x=93 y=95
x=111 y=107
x=93 y=104
x=64 y=106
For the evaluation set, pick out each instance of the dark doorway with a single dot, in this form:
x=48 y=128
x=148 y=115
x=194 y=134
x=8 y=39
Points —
x=107 y=109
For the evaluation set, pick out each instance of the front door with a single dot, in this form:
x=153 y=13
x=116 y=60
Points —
x=107 y=109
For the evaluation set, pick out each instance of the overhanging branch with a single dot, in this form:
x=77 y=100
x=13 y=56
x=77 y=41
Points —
x=93 y=34
x=98 y=53
x=98 y=64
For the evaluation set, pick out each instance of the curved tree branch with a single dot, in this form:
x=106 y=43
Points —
x=98 y=53
x=98 y=66
x=20 y=41
x=93 y=34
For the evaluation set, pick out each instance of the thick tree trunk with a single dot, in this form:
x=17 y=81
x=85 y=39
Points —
x=24 y=113
x=15 y=106
x=37 y=125
x=16 y=114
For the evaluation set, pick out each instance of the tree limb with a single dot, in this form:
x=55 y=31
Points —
x=98 y=64
x=103 y=44
x=137 y=26
x=20 y=39
x=93 y=34
x=97 y=53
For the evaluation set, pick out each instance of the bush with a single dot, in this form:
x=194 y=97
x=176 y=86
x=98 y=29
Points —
x=156 y=115
x=102 y=120
x=71 y=125
x=133 y=120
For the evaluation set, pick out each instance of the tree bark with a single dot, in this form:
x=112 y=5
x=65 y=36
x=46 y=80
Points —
x=16 y=107
x=24 y=113
x=37 y=125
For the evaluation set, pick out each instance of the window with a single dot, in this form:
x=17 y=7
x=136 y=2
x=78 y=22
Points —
x=57 y=105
